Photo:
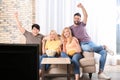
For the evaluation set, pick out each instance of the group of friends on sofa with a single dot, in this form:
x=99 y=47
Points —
x=70 y=43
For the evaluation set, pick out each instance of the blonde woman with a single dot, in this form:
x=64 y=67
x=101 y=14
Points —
x=51 y=47
x=71 y=49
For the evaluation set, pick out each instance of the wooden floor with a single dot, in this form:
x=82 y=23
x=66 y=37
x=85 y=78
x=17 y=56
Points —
x=112 y=71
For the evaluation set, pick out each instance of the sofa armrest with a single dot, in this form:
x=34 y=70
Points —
x=88 y=54
x=87 y=62
x=88 y=59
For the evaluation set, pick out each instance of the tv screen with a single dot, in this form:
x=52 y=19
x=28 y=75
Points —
x=19 y=62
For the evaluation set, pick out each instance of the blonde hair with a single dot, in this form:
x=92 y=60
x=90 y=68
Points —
x=70 y=37
x=56 y=35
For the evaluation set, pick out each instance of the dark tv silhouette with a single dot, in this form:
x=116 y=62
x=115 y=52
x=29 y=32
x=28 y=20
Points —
x=19 y=62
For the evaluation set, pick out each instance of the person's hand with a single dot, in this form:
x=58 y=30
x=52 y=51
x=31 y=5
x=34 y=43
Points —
x=16 y=14
x=45 y=39
x=79 y=5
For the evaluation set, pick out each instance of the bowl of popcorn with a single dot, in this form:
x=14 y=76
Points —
x=50 y=52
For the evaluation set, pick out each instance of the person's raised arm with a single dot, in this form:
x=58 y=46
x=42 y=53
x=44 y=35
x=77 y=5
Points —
x=18 y=23
x=84 y=12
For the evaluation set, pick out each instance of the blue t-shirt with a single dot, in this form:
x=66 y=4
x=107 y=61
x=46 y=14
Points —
x=80 y=32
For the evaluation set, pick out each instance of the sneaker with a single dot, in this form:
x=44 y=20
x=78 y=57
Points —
x=81 y=73
x=109 y=51
x=103 y=76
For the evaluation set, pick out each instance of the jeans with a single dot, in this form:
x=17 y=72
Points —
x=40 y=60
x=90 y=46
x=75 y=60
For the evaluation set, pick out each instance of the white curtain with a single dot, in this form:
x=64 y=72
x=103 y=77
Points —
x=101 y=25
x=54 y=14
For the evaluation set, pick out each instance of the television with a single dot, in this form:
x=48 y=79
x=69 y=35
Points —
x=19 y=62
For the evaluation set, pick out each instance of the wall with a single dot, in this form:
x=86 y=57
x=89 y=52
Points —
x=9 y=32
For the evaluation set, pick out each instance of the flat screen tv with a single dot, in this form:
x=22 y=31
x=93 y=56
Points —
x=19 y=62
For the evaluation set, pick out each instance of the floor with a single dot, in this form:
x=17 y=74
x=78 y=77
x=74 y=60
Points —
x=113 y=71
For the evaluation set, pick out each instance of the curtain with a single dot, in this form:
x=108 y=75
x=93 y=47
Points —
x=55 y=14
x=101 y=24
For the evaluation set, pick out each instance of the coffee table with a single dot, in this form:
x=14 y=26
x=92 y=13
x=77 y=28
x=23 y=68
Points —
x=56 y=61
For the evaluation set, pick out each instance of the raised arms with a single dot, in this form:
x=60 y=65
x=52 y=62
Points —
x=84 y=12
x=18 y=23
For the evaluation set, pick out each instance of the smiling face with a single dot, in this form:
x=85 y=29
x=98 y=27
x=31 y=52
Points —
x=52 y=36
x=66 y=33
x=35 y=31
x=77 y=20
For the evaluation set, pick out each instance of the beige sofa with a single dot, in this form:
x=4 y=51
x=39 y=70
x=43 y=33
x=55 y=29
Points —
x=87 y=65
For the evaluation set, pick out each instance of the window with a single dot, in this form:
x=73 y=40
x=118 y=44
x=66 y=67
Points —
x=118 y=28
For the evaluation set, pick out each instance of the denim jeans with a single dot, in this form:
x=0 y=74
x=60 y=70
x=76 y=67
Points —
x=40 y=60
x=90 y=46
x=75 y=60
